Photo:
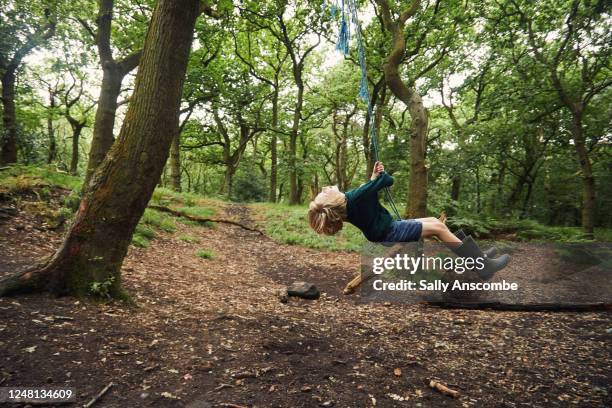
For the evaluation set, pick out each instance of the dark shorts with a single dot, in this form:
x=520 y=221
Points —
x=404 y=231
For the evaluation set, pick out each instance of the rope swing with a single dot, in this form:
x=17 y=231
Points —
x=348 y=10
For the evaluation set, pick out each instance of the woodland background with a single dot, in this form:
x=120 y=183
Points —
x=163 y=153
x=517 y=97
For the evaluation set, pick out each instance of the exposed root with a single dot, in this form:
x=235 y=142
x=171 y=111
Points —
x=26 y=281
x=202 y=219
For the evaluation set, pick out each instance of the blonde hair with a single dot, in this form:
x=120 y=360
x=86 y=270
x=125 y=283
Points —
x=325 y=213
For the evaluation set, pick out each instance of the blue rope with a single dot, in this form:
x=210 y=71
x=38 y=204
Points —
x=364 y=93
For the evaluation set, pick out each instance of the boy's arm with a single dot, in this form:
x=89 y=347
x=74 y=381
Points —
x=371 y=187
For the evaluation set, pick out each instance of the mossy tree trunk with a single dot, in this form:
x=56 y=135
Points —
x=417 y=188
x=120 y=188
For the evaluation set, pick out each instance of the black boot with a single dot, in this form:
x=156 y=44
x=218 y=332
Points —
x=469 y=249
x=490 y=253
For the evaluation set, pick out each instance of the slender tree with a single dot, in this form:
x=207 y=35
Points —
x=113 y=72
x=77 y=116
x=23 y=27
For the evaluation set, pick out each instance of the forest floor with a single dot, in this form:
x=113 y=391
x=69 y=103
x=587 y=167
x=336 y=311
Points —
x=210 y=331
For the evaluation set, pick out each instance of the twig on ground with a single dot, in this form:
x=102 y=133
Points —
x=222 y=386
x=438 y=386
x=100 y=394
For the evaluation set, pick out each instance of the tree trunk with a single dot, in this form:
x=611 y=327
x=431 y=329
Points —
x=9 y=120
x=588 y=181
x=96 y=243
x=50 y=130
x=501 y=177
x=77 y=128
x=228 y=180
x=525 y=207
x=478 y=205
x=175 y=163
x=294 y=194
x=454 y=195
x=104 y=124
x=273 y=149
x=516 y=192
x=417 y=187
x=112 y=76
x=314 y=187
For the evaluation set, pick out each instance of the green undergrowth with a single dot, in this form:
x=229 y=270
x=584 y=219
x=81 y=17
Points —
x=152 y=220
x=289 y=225
x=205 y=254
x=190 y=239
x=20 y=178
x=524 y=230
x=188 y=203
x=23 y=183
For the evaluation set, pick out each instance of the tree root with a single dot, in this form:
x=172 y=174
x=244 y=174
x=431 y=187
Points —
x=29 y=280
x=202 y=219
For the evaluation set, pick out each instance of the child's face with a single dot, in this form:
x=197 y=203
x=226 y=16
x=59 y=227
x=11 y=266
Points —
x=329 y=192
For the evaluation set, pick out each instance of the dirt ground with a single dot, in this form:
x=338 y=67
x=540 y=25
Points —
x=212 y=333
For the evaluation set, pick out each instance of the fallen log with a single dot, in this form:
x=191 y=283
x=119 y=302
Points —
x=202 y=220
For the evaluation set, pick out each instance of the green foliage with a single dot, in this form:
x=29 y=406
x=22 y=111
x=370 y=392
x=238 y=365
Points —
x=102 y=289
x=142 y=236
x=145 y=233
x=289 y=225
x=72 y=200
x=471 y=226
x=189 y=239
x=204 y=254
x=249 y=188
x=165 y=196
x=20 y=178
x=504 y=129
x=524 y=230
x=158 y=220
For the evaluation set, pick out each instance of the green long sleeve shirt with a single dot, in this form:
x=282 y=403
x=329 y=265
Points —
x=364 y=211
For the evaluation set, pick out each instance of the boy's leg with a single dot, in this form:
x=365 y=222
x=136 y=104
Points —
x=433 y=227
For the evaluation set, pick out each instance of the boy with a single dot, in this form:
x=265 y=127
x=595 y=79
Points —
x=361 y=207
